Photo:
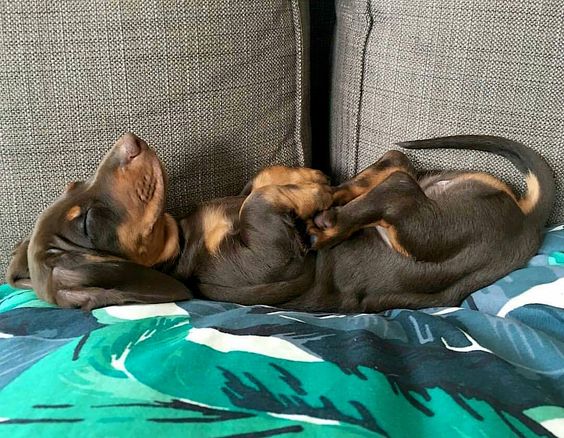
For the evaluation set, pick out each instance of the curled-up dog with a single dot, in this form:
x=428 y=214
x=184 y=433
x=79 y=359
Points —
x=385 y=239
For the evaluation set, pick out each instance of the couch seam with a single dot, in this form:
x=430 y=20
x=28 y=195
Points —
x=370 y=22
x=297 y=25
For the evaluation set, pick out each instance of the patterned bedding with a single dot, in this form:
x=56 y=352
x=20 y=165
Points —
x=493 y=367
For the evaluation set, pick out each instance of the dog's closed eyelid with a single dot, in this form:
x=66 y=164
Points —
x=85 y=222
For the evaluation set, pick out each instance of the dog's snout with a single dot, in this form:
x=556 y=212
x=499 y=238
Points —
x=131 y=147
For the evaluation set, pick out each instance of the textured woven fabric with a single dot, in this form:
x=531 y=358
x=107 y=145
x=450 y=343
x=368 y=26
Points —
x=218 y=88
x=414 y=69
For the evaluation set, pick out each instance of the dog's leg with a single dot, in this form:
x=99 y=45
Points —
x=407 y=219
x=304 y=200
x=372 y=176
x=450 y=297
x=380 y=302
x=273 y=265
x=460 y=285
x=282 y=175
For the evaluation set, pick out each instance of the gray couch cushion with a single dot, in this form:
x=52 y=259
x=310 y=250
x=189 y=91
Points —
x=418 y=69
x=218 y=88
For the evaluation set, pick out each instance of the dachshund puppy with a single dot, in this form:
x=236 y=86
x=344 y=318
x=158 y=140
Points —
x=382 y=240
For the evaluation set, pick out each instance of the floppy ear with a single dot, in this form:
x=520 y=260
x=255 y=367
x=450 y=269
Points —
x=17 y=274
x=91 y=281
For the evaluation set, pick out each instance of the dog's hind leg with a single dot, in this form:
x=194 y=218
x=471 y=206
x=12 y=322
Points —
x=451 y=294
x=406 y=218
x=391 y=162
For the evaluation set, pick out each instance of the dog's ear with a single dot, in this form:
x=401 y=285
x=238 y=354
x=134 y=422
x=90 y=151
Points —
x=73 y=185
x=87 y=281
x=247 y=189
x=17 y=274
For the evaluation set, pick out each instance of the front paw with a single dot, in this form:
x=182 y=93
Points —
x=326 y=219
x=324 y=230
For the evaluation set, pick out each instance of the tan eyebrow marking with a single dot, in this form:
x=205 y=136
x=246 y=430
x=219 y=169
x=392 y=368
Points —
x=73 y=213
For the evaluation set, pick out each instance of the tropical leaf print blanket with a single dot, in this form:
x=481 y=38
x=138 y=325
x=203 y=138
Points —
x=493 y=367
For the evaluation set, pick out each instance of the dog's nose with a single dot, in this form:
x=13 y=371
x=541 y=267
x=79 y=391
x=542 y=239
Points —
x=131 y=146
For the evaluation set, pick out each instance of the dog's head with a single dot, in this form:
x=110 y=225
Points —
x=103 y=234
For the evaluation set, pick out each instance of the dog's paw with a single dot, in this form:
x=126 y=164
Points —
x=324 y=230
x=326 y=219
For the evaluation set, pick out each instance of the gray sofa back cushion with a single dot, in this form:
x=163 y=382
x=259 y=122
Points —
x=420 y=69
x=218 y=88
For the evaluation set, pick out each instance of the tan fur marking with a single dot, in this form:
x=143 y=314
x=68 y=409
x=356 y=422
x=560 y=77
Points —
x=73 y=213
x=129 y=241
x=281 y=175
x=304 y=199
x=172 y=245
x=323 y=235
x=528 y=202
x=329 y=233
x=150 y=248
x=392 y=234
x=362 y=183
x=489 y=180
x=147 y=235
x=216 y=226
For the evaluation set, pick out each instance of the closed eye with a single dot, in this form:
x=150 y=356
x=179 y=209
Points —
x=84 y=222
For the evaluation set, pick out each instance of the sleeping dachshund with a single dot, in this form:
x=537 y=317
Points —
x=385 y=239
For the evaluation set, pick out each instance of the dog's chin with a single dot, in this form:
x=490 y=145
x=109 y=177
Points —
x=150 y=236
x=155 y=182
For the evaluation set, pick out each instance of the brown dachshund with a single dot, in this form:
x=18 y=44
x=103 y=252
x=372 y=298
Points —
x=385 y=239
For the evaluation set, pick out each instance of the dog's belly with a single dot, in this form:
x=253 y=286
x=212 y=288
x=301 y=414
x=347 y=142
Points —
x=438 y=188
x=434 y=186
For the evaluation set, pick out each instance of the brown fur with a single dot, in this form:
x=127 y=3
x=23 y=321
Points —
x=371 y=177
x=216 y=226
x=366 y=182
x=157 y=243
x=303 y=199
x=393 y=237
x=281 y=175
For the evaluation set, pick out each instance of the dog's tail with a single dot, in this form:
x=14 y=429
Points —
x=537 y=202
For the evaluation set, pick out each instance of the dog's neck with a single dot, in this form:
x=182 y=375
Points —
x=173 y=246
x=191 y=245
